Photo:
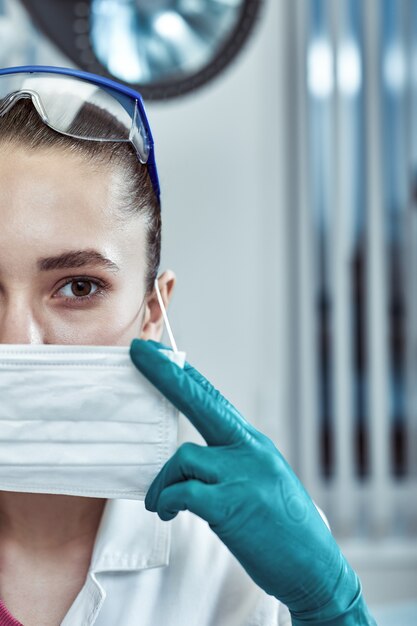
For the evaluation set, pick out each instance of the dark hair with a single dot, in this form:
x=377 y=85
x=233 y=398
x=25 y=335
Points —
x=22 y=125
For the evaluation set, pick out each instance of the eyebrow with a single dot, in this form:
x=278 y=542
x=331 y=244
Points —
x=76 y=258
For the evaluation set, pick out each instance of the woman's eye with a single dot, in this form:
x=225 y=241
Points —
x=80 y=289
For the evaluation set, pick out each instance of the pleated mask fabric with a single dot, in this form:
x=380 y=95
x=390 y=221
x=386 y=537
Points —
x=81 y=420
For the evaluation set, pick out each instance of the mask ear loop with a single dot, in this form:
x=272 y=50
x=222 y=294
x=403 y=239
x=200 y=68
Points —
x=165 y=316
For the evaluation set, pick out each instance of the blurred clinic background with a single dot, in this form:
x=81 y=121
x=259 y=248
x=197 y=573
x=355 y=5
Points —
x=286 y=139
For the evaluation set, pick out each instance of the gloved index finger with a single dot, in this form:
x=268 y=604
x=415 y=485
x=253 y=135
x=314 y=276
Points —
x=206 y=384
x=213 y=416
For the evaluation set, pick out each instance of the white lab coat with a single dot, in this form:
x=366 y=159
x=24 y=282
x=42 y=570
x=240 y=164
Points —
x=146 y=572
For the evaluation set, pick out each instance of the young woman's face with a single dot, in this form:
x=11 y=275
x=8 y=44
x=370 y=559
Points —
x=71 y=271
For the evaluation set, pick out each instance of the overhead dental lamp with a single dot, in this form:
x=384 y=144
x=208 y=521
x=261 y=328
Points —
x=163 y=48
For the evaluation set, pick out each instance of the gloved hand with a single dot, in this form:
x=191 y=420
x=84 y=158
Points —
x=243 y=487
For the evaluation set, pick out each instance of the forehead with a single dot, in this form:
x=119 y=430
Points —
x=56 y=197
x=40 y=181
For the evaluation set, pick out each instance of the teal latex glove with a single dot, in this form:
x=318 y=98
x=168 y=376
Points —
x=247 y=492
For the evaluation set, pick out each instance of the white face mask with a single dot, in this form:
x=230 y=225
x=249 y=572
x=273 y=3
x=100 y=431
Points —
x=82 y=420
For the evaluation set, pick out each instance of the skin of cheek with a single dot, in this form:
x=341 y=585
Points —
x=109 y=323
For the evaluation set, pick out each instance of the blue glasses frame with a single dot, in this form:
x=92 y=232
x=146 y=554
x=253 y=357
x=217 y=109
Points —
x=117 y=88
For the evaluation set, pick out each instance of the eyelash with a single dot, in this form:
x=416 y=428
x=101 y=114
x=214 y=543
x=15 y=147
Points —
x=102 y=289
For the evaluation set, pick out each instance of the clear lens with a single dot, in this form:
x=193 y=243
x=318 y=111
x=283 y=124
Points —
x=78 y=108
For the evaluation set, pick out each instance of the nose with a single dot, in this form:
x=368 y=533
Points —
x=18 y=323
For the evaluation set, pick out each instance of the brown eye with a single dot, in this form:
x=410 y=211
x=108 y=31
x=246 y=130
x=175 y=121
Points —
x=81 y=290
x=81 y=287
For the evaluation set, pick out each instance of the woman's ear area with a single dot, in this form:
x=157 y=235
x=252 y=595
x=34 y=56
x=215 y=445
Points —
x=153 y=322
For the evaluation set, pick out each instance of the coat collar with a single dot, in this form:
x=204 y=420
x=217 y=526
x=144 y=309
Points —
x=130 y=538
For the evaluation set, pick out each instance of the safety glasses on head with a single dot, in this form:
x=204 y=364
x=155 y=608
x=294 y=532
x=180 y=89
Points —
x=61 y=95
